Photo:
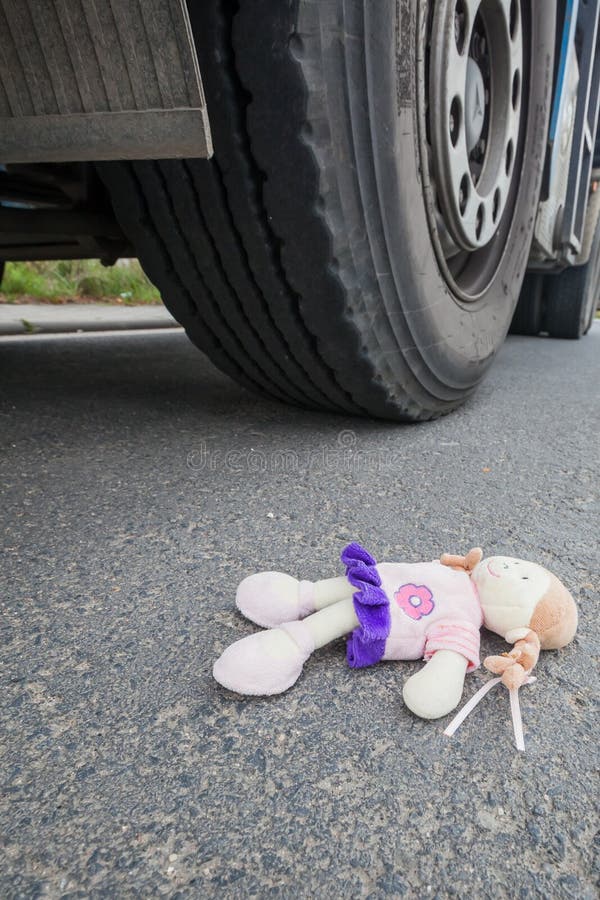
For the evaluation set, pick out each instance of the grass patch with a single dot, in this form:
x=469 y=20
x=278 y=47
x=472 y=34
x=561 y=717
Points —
x=77 y=281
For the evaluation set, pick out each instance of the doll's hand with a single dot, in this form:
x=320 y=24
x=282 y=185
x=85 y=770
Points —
x=437 y=688
x=512 y=672
x=466 y=563
x=515 y=666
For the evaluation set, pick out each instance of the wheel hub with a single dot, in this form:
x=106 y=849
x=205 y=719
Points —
x=474 y=114
x=474 y=104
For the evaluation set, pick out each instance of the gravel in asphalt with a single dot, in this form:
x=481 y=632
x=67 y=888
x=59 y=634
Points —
x=138 y=487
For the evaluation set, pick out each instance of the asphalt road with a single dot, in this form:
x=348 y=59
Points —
x=139 y=485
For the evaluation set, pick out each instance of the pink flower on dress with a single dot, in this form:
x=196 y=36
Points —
x=416 y=600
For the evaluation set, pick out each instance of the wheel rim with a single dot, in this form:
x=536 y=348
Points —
x=475 y=103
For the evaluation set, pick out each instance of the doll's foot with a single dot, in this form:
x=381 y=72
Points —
x=272 y=598
x=268 y=662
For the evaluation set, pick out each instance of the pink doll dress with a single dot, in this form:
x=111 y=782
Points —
x=410 y=610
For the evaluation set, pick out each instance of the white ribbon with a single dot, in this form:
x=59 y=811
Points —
x=514 y=708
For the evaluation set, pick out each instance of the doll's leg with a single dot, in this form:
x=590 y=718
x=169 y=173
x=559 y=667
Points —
x=332 y=621
x=438 y=687
x=331 y=590
x=271 y=598
x=270 y=661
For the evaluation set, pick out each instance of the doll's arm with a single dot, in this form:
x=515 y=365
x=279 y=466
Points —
x=465 y=563
x=438 y=687
x=515 y=665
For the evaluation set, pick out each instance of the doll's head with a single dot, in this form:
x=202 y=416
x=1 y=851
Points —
x=517 y=595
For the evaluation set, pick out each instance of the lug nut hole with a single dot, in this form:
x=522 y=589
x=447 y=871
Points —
x=516 y=87
x=460 y=25
x=513 y=18
x=454 y=123
x=463 y=193
x=496 y=206
x=509 y=156
x=479 y=220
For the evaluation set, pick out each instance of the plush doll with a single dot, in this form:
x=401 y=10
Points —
x=395 y=611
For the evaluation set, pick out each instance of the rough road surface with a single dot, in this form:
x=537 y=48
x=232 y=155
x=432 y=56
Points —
x=139 y=486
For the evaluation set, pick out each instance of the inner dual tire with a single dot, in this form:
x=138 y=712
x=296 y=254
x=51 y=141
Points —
x=564 y=304
x=312 y=258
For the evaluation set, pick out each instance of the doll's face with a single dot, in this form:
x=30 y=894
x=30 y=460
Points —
x=509 y=590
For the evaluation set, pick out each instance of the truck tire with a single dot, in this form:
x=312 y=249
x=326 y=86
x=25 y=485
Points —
x=572 y=297
x=527 y=317
x=358 y=241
